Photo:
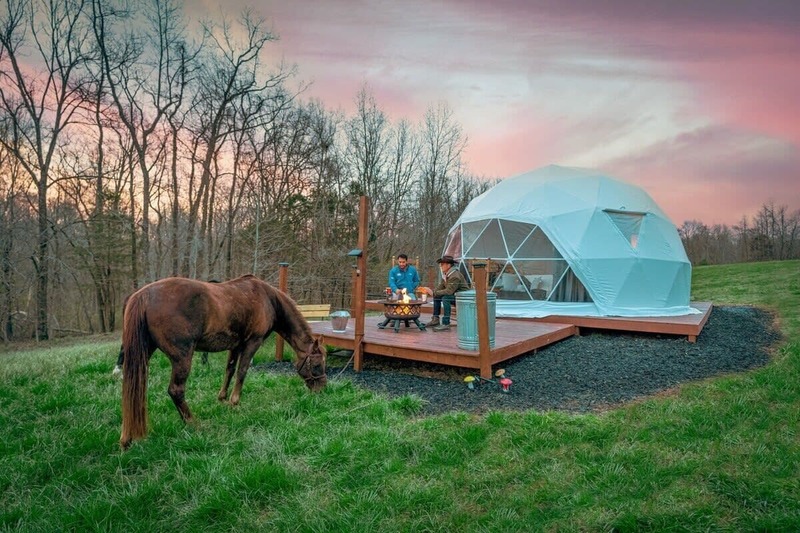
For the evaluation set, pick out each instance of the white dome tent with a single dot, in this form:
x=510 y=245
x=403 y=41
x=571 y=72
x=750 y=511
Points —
x=569 y=241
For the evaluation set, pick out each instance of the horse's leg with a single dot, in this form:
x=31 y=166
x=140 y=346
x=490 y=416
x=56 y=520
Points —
x=181 y=366
x=117 y=372
x=245 y=357
x=233 y=357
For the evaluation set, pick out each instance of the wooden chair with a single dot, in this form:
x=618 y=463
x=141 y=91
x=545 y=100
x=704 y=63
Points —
x=415 y=263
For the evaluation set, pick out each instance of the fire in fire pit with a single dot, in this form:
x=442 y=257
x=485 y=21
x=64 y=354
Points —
x=401 y=310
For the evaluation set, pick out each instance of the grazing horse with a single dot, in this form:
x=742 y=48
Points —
x=180 y=315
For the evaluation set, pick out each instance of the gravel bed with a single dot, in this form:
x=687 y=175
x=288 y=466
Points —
x=593 y=372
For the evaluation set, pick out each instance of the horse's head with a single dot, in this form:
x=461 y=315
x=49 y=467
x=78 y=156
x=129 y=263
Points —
x=311 y=366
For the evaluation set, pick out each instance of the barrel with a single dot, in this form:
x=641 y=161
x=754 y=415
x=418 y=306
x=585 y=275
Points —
x=467 y=323
x=339 y=321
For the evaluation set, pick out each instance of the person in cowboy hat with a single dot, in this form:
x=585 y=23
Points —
x=444 y=294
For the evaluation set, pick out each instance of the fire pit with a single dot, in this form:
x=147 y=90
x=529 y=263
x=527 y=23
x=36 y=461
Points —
x=398 y=310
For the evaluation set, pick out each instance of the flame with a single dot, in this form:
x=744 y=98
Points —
x=406 y=299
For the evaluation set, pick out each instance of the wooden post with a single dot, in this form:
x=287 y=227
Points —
x=482 y=311
x=360 y=289
x=283 y=283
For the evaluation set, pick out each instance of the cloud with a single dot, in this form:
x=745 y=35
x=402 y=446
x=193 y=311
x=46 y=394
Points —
x=715 y=174
x=695 y=100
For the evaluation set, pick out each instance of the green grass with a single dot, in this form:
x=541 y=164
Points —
x=721 y=455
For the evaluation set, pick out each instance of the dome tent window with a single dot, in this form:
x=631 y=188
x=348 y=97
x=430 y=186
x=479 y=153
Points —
x=628 y=224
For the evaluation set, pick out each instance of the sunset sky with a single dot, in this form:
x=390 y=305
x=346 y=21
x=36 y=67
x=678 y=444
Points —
x=697 y=102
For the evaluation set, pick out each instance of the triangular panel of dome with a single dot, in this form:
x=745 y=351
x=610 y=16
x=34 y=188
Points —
x=537 y=246
x=515 y=233
x=489 y=243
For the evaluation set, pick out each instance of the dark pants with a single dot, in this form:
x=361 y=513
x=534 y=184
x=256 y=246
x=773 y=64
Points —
x=448 y=301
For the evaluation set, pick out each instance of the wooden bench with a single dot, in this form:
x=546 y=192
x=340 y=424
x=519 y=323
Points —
x=315 y=311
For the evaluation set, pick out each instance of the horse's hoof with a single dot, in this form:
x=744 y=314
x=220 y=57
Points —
x=117 y=372
x=125 y=444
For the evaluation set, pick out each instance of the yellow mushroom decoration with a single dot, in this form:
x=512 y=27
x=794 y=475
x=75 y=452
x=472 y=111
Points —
x=470 y=381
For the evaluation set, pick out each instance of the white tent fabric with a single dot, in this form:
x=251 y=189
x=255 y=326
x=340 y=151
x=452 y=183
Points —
x=569 y=241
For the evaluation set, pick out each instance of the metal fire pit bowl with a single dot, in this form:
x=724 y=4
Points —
x=398 y=311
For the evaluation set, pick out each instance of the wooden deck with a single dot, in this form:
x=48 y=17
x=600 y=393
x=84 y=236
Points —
x=513 y=337
x=689 y=325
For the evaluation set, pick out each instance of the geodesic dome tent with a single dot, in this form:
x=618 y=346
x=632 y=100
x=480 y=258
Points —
x=569 y=241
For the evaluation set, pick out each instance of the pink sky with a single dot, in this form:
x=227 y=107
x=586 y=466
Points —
x=697 y=102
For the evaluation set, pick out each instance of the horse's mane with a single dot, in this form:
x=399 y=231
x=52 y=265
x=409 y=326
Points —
x=289 y=321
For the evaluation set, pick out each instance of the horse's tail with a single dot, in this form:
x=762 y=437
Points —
x=136 y=345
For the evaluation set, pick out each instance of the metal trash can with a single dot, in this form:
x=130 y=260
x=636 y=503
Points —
x=467 y=323
x=339 y=321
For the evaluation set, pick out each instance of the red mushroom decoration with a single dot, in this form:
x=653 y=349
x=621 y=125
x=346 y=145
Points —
x=505 y=385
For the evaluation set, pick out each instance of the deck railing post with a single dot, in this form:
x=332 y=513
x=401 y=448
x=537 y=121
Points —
x=360 y=289
x=482 y=311
x=283 y=284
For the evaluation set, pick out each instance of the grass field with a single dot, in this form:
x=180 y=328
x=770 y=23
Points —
x=720 y=455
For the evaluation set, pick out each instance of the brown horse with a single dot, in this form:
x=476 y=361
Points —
x=179 y=316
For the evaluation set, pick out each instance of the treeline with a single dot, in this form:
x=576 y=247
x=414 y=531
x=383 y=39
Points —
x=133 y=147
x=773 y=234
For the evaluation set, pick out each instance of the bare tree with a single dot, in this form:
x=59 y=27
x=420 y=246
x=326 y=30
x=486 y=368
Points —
x=400 y=232
x=367 y=135
x=13 y=219
x=742 y=230
x=377 y=157
x=39 y=102
x=775 y=226
x=695 y=237
x=443 y=145
x=231 y=72
x=146 y=75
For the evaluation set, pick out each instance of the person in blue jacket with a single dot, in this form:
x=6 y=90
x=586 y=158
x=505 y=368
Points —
x=403 y=276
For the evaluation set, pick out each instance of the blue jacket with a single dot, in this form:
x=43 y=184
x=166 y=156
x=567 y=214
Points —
x=407 y=279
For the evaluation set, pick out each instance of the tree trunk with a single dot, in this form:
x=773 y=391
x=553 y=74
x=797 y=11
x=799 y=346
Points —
x=42 y=264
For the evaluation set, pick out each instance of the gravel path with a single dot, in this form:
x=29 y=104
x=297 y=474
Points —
x=589 y=373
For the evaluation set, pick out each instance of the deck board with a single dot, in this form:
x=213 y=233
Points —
x=689 y=325
x=513 y=337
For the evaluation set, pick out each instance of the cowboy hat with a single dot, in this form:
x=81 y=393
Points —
x=446 y=259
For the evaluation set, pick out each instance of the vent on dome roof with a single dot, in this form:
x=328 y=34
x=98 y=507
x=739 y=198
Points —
x=628 y=223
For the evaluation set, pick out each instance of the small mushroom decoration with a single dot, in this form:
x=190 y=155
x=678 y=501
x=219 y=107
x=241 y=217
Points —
x=470 y=381
x=500 y=373
x=505 y=385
